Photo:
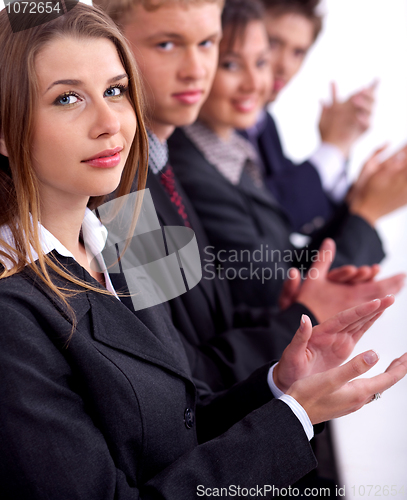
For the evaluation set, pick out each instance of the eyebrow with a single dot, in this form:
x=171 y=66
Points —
x=163 y=34
x=177 y=36
x=79 y=82
x=230 y=53
x=238 y=56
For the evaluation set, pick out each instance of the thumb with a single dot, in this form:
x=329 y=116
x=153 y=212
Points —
x=377 y=152
x=326 y=255
x=358 y=365
x=301 y=337
x=373 y=86
x=334 y=92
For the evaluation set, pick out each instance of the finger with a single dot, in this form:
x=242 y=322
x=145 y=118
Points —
x=373 y=162
x=380 y=383
x=375 y=270
x=363 y=120
x=342 y=274
x=396 y=362
x=378 y=152
x=300 y=340
x=363 y=101
x=363 y=274
x=324 y=106
x=373 y=86
x=357 y=366
x=326 y=256
x=350 y=318
x=363 y=105
x=396 y=161
x=387 y=286
x=364 y=320
x=360 y=328
x=334 y=93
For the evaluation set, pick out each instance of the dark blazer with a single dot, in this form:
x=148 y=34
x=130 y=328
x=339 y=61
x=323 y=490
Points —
x=107 y=411
x=297 y=187
x=225 y=344
x=247 y=223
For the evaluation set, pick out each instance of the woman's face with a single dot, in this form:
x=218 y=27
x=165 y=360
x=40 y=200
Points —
x=84 y=123
x=242 y=82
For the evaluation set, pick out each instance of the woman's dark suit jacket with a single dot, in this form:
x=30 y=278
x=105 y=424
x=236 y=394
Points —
x=245 y=217
x=109 y=412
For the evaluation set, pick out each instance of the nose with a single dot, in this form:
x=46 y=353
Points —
x=282 y=62
x=105 y=120
x=193 y=67
x=250 y=82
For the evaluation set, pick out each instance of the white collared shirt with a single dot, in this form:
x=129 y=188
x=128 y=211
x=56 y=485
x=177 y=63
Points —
x=94 y=237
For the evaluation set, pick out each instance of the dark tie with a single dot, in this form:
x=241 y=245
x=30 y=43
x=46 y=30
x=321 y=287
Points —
x=167 y=179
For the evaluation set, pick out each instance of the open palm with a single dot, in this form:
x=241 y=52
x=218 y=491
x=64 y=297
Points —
x=326 y=346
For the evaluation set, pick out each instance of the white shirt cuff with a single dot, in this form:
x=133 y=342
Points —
x=331 y=164
x=300 y=413
x=296 y=408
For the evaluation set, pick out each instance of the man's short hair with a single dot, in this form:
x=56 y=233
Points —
x=306 y=8
x=117 y=9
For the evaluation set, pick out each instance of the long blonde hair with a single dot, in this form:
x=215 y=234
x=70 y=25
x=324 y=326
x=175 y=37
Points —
x=19 y=195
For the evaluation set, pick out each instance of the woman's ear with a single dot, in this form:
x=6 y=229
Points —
x=3 y=149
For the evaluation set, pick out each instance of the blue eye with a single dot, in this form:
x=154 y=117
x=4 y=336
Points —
x=262 y=62
x=229 y=65
x=115 y=91
x=67 y=99
x=166 y=46
x=207 y=44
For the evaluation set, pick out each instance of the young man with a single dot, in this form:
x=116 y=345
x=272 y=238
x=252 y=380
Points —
x=293 y=28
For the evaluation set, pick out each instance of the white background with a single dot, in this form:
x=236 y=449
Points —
x=363 y=40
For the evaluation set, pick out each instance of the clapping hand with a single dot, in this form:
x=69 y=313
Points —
x=326 y=346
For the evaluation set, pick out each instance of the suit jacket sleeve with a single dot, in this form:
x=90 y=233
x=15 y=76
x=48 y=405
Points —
x=357 y=242
x=298 y=188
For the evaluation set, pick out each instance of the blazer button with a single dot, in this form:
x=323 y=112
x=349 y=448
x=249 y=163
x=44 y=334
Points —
x=189 y=418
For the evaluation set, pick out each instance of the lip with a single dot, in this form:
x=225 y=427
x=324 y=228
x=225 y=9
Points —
x=245 y=105
x=105 y=159
x=189 y=96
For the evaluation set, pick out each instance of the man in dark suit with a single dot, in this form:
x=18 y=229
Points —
x=293 y=28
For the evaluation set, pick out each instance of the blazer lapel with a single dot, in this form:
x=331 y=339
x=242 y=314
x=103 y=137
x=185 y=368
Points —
x=114 y=324
x=77 y=301
x=147 y=334
x=247 y=186
x=270 y=147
